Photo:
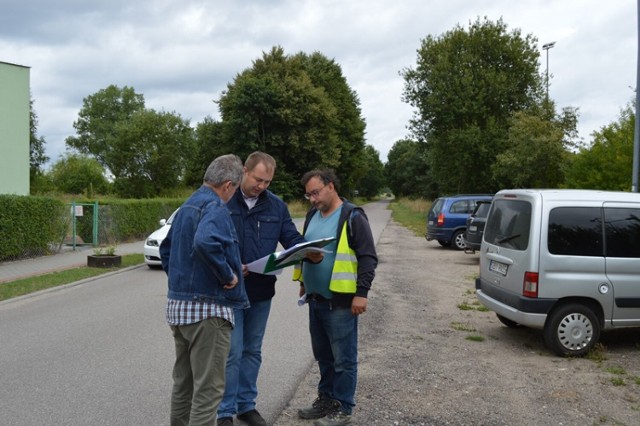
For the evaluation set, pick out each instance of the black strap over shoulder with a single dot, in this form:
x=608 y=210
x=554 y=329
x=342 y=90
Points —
x=347 y=212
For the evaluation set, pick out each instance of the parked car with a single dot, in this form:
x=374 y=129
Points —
x=447 y=218
x=563 y=261
x=152 y=243
x=475 y=226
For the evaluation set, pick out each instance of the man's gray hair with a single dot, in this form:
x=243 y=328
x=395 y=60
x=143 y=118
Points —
x=223 y=169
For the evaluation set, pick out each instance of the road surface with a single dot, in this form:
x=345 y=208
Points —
x=100 y=353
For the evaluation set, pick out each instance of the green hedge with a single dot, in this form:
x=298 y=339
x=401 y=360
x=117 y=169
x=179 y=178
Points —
x=135 y=219
x=30 y=225
x=34 y=226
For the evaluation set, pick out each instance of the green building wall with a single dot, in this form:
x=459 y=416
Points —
x=14 y=129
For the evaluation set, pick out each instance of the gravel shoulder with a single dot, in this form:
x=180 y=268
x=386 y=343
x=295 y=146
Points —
x=426 y=360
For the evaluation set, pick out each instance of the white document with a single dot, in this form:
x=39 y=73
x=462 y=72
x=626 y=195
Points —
x=273 y=263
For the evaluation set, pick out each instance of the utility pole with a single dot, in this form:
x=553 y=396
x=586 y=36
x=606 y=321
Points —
x=546 y=47
x=636 y=133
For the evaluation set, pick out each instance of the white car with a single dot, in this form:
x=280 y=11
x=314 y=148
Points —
x=152 y=243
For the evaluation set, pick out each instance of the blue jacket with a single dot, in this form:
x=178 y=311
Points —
x=260 y=229
x=201 y=253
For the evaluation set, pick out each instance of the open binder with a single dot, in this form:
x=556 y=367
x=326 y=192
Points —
x=274 y=263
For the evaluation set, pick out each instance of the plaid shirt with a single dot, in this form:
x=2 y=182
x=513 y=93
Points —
x=185 y=312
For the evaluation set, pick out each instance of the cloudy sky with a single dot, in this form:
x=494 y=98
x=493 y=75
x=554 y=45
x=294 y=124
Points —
x=181 y=54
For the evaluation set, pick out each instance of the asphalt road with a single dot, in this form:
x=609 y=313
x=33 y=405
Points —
x=100 y=353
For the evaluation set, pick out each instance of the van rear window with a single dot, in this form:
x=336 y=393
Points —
x=623 y=232
x=508 y=224
x=575 y=231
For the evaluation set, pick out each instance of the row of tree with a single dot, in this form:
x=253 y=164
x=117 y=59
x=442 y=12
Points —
x=297 y=108
x=482 y=122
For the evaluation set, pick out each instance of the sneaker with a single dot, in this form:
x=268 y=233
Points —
x=225 y=421
x=336 y=417
x=322 y=406
x=252 y=418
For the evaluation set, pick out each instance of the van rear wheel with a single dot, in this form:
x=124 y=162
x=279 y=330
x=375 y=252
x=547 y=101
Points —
x=572 y=330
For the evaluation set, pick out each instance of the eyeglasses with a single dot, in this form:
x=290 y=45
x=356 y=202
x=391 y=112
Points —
x=313 y=193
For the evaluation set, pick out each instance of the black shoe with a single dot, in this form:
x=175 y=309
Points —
x=322 y=406
x=336 y=417
x=225 y=421
x=252 y=418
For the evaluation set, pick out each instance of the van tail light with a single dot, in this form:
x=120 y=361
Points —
x=441 y=219
x=530 y=285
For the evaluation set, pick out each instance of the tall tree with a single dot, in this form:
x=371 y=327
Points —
x=407 y=170
x=373 y=179
x=209 y=144
x=291 y=107
x=98 y=119
x=538 y=150
x=465 y=88
x=607 y=163
x=37 y=157
x=147 y=153
x=355 y=159
x=143 y=149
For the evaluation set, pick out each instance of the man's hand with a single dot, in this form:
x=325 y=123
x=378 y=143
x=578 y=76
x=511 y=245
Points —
x=314 y=256
x=245 y=270
x=232 y=284
x=359 y=305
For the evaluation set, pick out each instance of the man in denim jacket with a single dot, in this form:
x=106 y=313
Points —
x=201 y=257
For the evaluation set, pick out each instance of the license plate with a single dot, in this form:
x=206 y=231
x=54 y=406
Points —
x=498 y=267
x=473 y=228
x=430 y=222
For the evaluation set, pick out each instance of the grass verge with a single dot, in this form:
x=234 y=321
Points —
x=411 y=214
x=24 y=286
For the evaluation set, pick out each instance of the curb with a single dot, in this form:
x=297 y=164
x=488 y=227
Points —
x=64 y=286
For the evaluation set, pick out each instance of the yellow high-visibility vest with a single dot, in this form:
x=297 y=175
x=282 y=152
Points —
x=345 y=268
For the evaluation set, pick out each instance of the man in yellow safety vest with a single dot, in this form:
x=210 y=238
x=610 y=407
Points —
x=336 y=290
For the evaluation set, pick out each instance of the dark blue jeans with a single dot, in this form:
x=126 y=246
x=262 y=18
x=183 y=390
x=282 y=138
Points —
x=245 y=358
x=334 y=340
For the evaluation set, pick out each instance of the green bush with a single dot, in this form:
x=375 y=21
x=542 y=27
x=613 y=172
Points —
x=30 y=225
x=35 y=226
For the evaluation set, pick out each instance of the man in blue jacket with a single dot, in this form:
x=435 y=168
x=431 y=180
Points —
x=261 y=220
x=201 y=257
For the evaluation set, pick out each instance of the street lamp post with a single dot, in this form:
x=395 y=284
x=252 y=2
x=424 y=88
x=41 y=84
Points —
x=546 y=47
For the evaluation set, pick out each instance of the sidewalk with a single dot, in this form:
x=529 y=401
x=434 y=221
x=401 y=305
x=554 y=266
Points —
x=10 y=271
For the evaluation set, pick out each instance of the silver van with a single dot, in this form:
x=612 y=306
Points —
x=564 y=261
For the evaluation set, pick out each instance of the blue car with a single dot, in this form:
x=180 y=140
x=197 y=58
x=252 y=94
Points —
x=447 y=219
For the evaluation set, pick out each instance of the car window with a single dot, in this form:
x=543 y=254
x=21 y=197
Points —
x=437 y=206
x=172 y=216
x=508 y=224
x=482 y=209
x=622 y=229
x=462 y=206
x=575 y=231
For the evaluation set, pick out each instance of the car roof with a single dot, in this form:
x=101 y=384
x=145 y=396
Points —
x=572 y=194
x=467 y=196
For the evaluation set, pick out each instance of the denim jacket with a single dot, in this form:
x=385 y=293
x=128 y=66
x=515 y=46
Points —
x=260 y=230
x=201 y=253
